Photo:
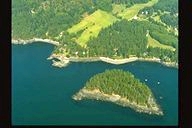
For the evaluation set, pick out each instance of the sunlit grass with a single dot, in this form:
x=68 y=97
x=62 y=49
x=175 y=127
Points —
x=154 y=43
x=91 y=26
x=130 y=12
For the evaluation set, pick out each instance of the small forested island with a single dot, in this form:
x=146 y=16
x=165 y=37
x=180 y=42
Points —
x=122 y=88
x=113 y=31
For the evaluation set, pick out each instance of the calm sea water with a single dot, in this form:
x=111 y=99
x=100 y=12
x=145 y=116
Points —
x=41 y=93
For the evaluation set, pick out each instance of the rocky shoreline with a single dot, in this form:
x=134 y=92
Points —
x=153 y=108
x=20 y=41
x=168 y=64
x=64 y=61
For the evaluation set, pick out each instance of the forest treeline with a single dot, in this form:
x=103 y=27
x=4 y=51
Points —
x=50 y=18
x=169 y=7
x=120 y=82
x=124 y=39
x=34 y=18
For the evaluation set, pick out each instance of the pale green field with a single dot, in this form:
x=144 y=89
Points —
x=118 y=8
x=154 y=43
x=157 y=18
x=129 y=13
x=92 y=25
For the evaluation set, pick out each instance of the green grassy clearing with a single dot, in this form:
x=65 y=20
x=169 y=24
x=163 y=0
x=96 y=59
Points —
x=91 y=26
x=157 y=18
x=154 y=43
x=118 y=8
x=129 y=13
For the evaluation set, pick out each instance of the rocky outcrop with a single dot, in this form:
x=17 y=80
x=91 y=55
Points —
x=20 y=41
x=151 y=108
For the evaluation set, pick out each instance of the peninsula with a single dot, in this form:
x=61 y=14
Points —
x=122 y=88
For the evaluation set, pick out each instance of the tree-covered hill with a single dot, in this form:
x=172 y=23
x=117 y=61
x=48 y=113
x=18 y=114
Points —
x=122 y=88
x=48 y=18
x=122 y=83
x=126 y=38
x=123 y=38
x=35 y=18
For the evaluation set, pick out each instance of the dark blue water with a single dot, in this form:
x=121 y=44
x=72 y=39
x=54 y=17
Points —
x=41 y=93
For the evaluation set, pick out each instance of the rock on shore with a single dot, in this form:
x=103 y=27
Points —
x=20 y=41
x=153 y=108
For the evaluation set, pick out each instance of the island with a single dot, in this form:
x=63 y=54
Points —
x=111 y=31
x=122 y=88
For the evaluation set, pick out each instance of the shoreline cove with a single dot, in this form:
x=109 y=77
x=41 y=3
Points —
x=63 y=61
x=52 y=88
x=21 y=41
x=153 y=108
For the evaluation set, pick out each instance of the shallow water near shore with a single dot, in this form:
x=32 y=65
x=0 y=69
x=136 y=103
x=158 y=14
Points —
x=42 y=94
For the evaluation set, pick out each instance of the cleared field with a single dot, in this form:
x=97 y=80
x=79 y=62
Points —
x=118 y=8
x=154 y=43
x=129 y=13
x=157 y=18
x=92 y=25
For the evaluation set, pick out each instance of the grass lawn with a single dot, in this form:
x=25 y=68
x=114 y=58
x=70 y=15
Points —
x=118 y=8
x=154 y=43
x=157 y=18
x=91 y=26
x=129 y=13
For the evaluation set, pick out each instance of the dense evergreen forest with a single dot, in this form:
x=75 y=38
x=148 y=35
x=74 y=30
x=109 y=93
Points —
x=121 y=39
x=34 y=18
x=168 y=6
x=120 y=82
x=170 y=19
x=52 y=18
x=164 y=5
x=125 y=38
